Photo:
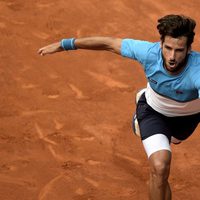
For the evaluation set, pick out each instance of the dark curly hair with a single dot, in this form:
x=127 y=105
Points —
x=176 y=26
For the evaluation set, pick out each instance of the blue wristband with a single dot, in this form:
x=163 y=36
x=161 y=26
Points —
x=68 y=44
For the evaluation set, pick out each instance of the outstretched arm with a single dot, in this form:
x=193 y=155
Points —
x=91 y=43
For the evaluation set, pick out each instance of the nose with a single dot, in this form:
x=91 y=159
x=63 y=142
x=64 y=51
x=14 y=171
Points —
x=172 y=55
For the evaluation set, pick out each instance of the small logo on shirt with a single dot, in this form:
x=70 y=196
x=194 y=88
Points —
x=153 y=81
x=179 y=92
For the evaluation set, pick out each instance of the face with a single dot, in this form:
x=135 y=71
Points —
x=174 y=51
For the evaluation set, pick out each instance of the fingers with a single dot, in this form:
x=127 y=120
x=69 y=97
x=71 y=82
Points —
x=41 y=52
x=50 y=49
x=46 y=50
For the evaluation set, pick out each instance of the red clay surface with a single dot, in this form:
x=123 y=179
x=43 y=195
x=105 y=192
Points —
x=65 y=119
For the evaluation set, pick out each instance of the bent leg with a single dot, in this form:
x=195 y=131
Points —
x=175 y=140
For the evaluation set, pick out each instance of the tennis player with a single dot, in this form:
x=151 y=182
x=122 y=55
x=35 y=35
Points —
x=168 y=110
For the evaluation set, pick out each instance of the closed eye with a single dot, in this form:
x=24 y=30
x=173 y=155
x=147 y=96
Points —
x=168 y=47
x=180 y=50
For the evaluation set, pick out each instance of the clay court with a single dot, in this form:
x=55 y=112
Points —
x=65 y=119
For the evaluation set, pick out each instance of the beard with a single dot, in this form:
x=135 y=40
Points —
x=174 y=67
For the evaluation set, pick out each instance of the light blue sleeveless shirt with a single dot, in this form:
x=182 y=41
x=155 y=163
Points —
x=182 y=87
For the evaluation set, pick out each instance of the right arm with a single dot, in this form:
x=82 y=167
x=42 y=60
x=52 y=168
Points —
x=90 y=43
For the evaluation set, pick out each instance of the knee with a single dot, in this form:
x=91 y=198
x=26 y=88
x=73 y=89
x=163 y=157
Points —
x=160 y=170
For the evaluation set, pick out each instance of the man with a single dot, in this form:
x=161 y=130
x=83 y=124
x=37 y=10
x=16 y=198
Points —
x=168 y=110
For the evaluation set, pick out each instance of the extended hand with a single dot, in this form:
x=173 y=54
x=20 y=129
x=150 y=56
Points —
x=50 y=49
